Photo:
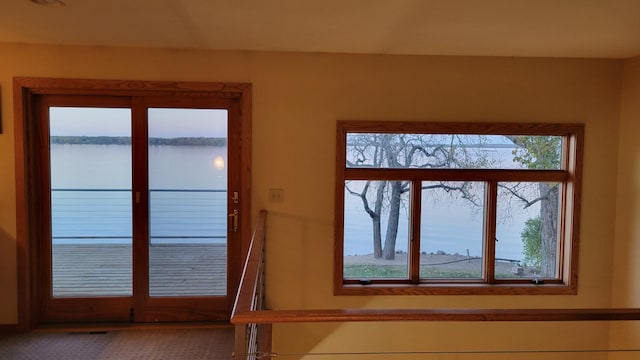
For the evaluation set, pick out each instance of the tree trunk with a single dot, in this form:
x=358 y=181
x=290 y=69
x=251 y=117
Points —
x=377 y=237
x=549 y=228
x=377 y=231
x=389 y=251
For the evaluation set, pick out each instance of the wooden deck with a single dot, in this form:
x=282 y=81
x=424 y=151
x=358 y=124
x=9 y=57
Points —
x=106 y=270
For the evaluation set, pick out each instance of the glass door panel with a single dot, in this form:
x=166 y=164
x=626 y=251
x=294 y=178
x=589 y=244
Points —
x=91 y=204
x=187 y=159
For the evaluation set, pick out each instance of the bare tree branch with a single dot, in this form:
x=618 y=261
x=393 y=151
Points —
x=463 y=189
x=363 y=197
x=519 y=196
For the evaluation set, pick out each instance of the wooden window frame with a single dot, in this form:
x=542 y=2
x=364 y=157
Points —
x=569 y=176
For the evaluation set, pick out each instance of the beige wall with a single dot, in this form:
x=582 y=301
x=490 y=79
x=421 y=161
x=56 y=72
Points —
x=627 y=270
x=297 y=100
x=626 y=287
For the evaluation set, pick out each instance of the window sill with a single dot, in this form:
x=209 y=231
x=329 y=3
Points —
x=455 y=289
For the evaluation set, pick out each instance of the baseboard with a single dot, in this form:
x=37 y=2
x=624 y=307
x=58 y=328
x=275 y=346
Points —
x=8 y=328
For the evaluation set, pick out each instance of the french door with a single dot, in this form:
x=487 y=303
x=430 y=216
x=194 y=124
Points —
x=141 y=200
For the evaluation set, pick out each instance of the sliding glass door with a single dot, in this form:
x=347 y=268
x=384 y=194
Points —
x=143 y=209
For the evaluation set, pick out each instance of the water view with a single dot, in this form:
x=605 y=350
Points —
x=469 y=197
x=451 y=224
x=92 y=201
x=194 y=206
x=92 y=197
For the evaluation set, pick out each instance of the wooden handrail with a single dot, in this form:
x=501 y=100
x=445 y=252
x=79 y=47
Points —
x=243 y=312
x=344 y=315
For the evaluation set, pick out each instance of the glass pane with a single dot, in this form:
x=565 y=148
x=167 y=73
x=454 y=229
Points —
x=90 y=201
x=376 y=229
x=451 y=233
x=188 y=202
x=453 y=151
x=527 y=230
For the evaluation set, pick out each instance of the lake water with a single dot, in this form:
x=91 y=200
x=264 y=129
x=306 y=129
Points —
x=450 y=225
x=199 y=214
x=92 y=197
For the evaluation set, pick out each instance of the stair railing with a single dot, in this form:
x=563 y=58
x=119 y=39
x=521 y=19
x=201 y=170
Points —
x=254 y=322
x=252 y=340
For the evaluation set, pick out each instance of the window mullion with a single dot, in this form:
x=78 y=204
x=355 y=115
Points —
x=414 y=244
x=490 y=231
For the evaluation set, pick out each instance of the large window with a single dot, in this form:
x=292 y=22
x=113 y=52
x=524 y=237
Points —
x=457 y=208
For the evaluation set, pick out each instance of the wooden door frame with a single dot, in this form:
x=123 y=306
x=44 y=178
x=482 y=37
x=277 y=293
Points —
x=28 y=170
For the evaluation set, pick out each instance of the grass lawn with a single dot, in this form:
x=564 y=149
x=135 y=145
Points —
x=368 y=271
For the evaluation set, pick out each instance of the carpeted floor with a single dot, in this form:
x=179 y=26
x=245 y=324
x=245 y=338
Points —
x=183 y=344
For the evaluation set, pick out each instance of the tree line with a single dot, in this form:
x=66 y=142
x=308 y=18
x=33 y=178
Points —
x=126 y=140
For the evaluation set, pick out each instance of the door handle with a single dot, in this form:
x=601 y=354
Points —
x=234 y=220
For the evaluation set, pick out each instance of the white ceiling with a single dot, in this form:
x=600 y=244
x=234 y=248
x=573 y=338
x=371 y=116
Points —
x=546 y=28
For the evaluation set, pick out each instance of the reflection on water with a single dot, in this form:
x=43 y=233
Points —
x=92 y=200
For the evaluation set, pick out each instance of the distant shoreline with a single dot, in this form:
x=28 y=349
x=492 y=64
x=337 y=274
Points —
x=126 y=140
